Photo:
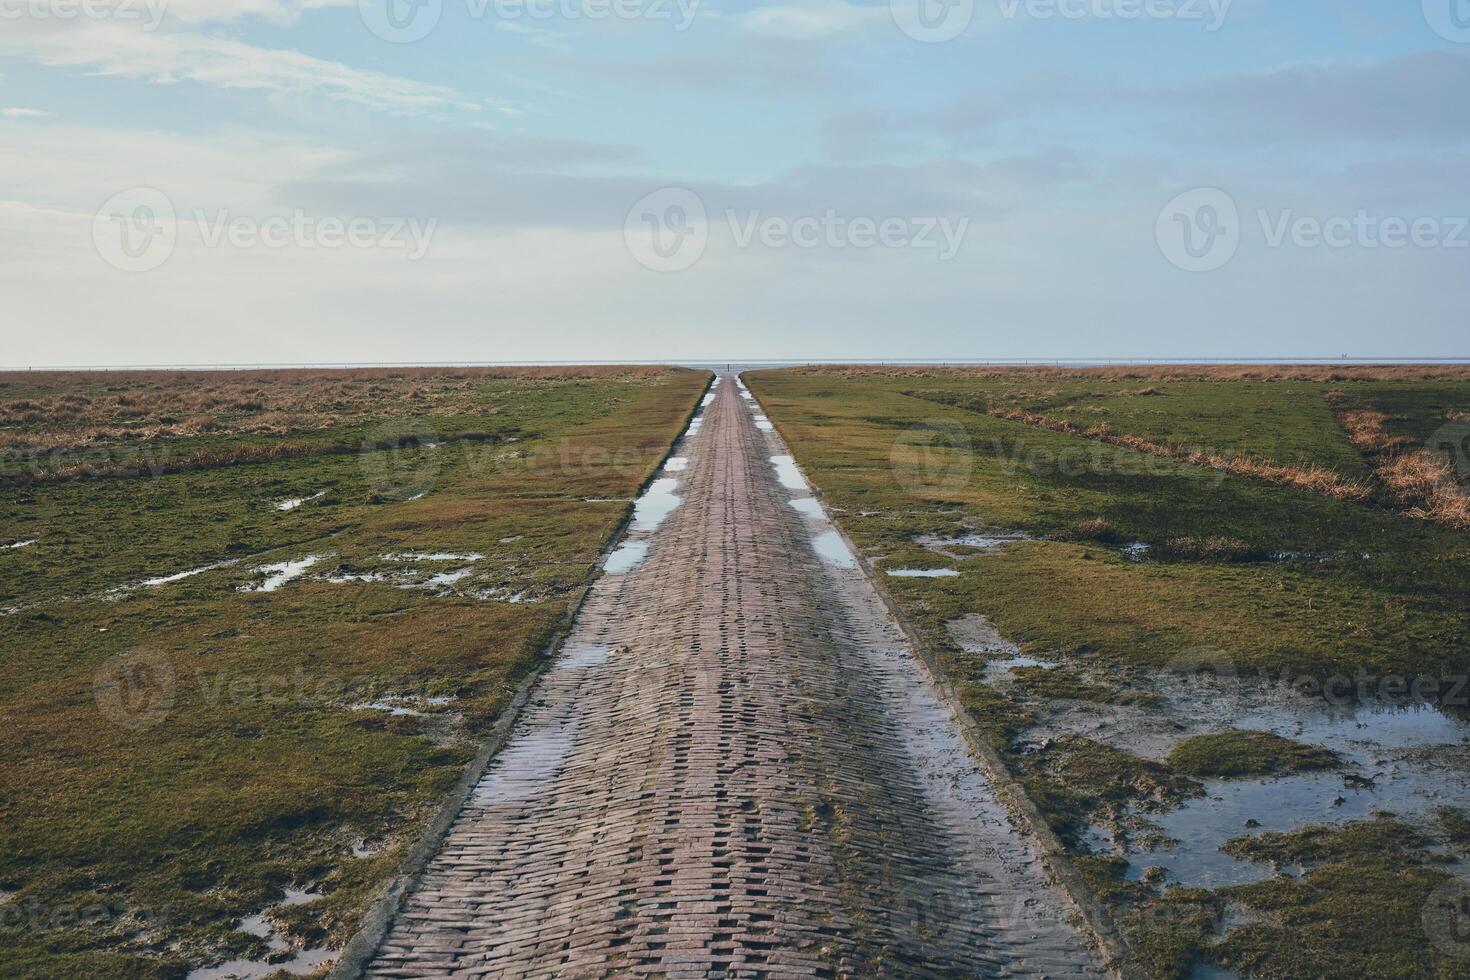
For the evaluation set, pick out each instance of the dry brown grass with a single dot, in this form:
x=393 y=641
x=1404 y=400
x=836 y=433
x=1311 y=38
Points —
x=1423 y=484
x=77 y=410
x=1174 y=372
x=1314 y=478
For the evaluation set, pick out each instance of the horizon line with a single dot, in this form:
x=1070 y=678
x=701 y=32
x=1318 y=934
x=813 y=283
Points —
x=744 y=362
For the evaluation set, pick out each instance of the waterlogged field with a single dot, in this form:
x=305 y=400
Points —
x=253 y=625
x=1213 y=620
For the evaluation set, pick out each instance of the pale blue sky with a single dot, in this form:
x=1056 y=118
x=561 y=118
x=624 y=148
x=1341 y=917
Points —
x=1050 y=150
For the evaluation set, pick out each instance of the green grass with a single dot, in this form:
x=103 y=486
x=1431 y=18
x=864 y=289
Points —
x=256 y=775
x=1237 y=753
x=887 y=461
x=1282 y=422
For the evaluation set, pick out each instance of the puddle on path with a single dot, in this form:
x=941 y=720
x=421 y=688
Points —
x=529 y=761
x=788 y=474
x=921 y=572
x=279 y=573
x=808 y=507
x=576 y=656
x=657 y=503
x=676 y=464
x=705 y=402
x=833 y=551
x=626 y=557
x=291 y=503
x=764 y=426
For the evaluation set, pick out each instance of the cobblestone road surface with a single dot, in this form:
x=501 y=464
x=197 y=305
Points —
x=734 y=769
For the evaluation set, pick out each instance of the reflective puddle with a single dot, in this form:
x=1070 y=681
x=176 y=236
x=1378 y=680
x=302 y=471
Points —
x=921 y=572
x=788 y=474
x=291 y=503
x=527 y=763
x=657 y=503
x=17 y=545
x=435 y=556
x=833 y=551
x=302 y=961
x=1404 y=760
x=149 y=583
x=677 y=464
x=279 y=573
x=808 y=507
x=627 y=557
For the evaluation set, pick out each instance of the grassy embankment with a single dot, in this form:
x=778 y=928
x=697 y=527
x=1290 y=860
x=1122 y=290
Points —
x=175 y=756
x=1273 y=545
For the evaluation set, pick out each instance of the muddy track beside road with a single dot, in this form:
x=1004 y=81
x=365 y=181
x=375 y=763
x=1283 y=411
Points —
x=734 y=768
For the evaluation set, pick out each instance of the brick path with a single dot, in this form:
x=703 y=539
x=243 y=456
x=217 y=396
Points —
x=735 y=769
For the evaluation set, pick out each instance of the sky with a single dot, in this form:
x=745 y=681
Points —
x=368 y=181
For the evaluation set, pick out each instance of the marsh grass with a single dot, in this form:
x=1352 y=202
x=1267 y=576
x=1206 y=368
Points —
x=133 y=849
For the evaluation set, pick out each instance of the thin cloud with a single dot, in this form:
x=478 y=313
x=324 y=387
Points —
x=171 y=57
